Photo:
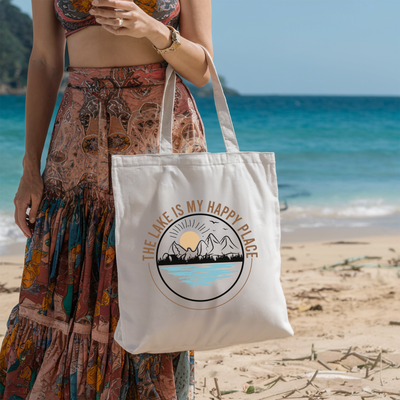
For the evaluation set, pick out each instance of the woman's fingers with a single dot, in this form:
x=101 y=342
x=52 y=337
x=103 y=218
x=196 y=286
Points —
x=34 y=209
x=135 y=19
x=29 y=195
x=113 y=4
x=20 y=215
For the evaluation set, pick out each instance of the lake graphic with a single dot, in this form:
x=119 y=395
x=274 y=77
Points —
x=200 y=257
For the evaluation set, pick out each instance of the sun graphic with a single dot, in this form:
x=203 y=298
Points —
x=189 y=239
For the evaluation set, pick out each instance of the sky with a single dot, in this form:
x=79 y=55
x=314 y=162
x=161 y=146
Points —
x=305 y=47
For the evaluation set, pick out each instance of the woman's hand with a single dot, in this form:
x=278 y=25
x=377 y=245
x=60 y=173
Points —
x=136 y=22
x=188 y=60
x=29 y=194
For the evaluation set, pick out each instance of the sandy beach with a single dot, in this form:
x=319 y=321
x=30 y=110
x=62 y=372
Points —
x=346 y=319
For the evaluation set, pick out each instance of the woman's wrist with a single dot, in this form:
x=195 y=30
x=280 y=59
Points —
x=160 y=35
x=31 y=166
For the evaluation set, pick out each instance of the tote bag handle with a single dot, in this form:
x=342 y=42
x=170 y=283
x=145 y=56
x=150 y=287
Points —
x=167 y=108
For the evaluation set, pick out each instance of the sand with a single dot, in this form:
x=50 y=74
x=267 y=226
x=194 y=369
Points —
x=346 y=318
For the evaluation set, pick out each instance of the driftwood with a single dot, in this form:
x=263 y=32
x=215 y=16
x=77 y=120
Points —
x=3 y=289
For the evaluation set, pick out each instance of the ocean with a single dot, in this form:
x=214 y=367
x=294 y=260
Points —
x=337 y=158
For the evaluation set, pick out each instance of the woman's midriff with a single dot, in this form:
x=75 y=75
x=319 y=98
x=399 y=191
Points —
x=94 y=46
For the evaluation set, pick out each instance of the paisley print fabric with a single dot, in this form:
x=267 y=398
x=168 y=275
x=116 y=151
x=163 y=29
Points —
x=59 y=341
x=74 y=14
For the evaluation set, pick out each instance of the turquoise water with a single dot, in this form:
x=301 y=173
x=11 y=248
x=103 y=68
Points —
x=328 y=149
x=336 y=157
x=202 y=274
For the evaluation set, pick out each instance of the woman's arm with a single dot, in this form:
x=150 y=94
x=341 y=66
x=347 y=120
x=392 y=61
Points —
x=45 y=70
x=188 y=59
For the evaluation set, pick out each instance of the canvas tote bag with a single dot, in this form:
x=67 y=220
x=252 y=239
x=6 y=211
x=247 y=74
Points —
x=197 y=239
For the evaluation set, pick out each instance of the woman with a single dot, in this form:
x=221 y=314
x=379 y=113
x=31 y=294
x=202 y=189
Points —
x=59 y=342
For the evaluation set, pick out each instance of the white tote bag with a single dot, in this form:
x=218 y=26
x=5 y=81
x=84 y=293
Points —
x=197 y=239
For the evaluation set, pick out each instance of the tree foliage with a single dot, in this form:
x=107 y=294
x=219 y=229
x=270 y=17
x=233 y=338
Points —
x=16 y=39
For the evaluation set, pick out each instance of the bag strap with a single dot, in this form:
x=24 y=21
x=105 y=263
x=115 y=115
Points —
x=167 y=108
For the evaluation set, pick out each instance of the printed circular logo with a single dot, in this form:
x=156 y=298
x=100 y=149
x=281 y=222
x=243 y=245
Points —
x=200 y=258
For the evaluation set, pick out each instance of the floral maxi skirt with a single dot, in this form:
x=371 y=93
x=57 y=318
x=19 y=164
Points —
x=59 y=341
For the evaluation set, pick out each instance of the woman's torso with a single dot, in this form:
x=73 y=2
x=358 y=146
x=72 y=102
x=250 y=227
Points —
x=90 y=45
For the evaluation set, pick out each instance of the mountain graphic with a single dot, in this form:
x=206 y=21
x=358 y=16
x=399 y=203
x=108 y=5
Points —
x=208 y=250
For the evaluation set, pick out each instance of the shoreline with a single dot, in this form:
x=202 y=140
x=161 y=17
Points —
x=310 y=235
x=347 y=242
x=366 y=228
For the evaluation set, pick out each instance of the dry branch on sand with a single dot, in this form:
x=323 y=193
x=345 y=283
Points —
x=348 y=373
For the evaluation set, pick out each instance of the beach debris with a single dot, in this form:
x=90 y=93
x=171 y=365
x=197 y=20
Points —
x=325 y=288
x=376 y=361
x=3 y=289
x=284 y=206
x=362 y=377
x=386 y=392
x=344 y=242
x=291 y=259
x=313 y=353
x=347 y=264
x=395 y=262
x=347 y=362
x=389 y=295
x=272 y=383
x=325 y=365
x=296 y=359
x=380 y=371
x=215 y=392
x=350 y=260
x=304 y=295
x=250 y=389
x=304 y=308
x=244 y=352
x=217 y=386
x=10 y=263
x=332 y=375
x=394 y=322
x=292 y=387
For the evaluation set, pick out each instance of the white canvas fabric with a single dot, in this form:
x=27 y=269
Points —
x=197 y=243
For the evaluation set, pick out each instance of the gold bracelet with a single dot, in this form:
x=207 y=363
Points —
x=176 y=42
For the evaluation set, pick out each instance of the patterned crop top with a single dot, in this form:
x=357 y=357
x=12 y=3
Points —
x=74 y=14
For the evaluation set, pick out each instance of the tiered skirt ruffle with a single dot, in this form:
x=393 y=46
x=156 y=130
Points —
x=59 y=341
